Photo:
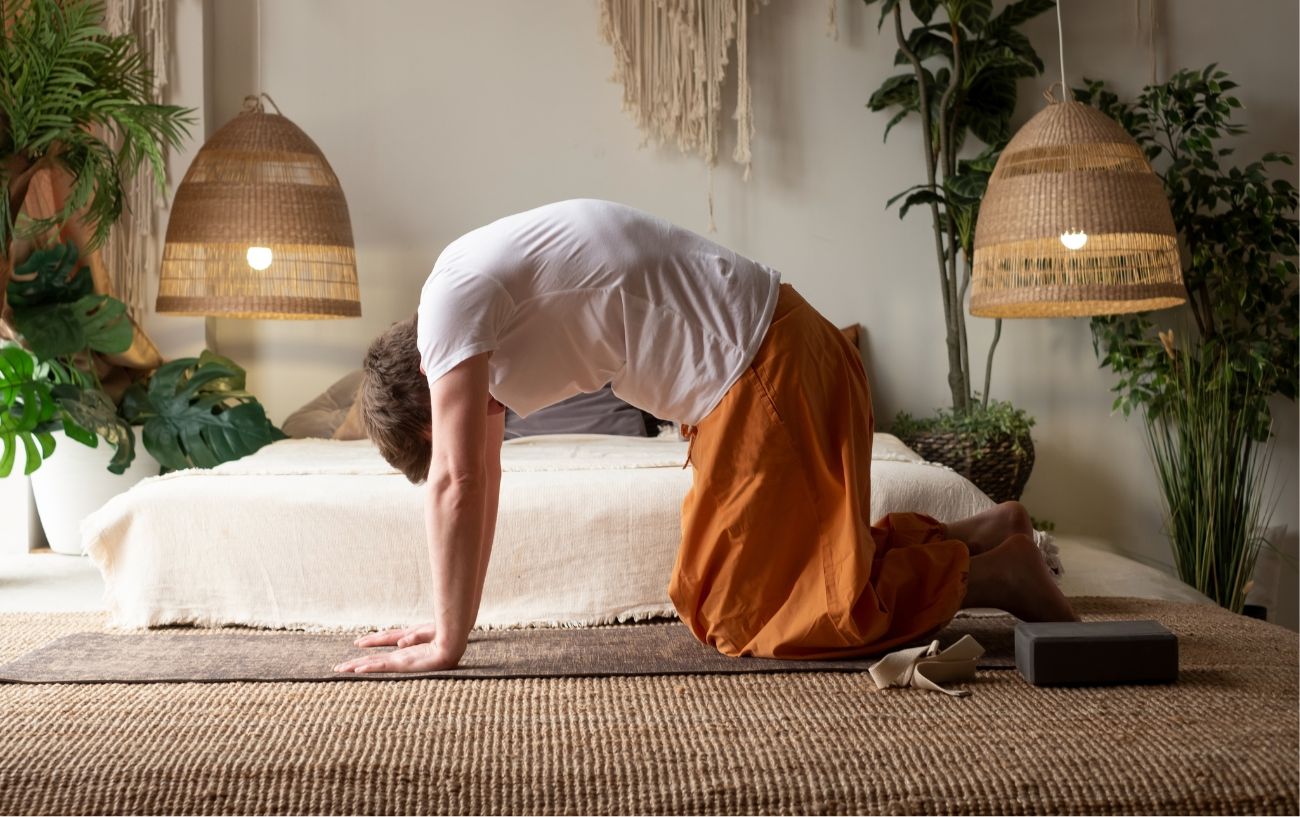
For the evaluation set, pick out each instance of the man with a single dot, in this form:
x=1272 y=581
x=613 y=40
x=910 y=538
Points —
x=778 y=557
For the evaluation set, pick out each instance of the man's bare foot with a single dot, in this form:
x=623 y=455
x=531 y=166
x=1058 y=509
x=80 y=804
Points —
x=1013 y=577
x=990 y=528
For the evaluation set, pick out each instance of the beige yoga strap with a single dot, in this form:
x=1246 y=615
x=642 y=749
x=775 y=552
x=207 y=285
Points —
x=929 y=667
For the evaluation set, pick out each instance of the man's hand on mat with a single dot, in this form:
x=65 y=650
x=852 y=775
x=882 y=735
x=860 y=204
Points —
x=426 y=657
x=401 y=637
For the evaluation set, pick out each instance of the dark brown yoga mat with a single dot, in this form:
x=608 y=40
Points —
x=230 y=654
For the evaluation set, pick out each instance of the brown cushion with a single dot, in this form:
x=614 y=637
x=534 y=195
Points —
x=325 y=414
x=352 y=428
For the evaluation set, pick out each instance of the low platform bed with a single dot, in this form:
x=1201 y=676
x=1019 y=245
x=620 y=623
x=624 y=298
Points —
x=322 y=534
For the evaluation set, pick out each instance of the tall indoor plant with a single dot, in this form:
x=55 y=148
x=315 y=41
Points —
x=963 y=63
x=1203 y=376
x=75 y=121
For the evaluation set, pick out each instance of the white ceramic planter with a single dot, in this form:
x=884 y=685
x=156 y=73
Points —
x=75 y=481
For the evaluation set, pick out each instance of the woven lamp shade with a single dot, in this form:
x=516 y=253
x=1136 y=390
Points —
x=259 y=228
x=1070 y=170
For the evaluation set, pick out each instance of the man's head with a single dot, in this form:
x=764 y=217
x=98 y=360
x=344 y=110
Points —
x=394 y=400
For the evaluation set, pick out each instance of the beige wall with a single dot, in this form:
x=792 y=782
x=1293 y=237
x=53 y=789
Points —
x=440 y=116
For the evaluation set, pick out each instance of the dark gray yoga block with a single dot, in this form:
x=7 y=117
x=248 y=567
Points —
x=1091 y=653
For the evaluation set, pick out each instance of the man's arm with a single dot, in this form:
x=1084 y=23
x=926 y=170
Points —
x=463 y=483
x=496 y=432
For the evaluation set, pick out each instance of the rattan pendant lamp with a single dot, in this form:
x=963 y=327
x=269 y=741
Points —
x=1074 y=222
x=259 y=227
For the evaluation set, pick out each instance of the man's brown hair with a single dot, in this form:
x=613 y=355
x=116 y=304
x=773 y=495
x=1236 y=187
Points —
x=394 y=399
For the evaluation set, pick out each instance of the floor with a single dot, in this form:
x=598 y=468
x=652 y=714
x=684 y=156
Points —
x=42 y=581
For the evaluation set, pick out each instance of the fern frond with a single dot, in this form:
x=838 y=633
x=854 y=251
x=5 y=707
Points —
x=66 y=85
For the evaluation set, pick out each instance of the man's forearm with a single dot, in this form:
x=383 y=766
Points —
x=454 y=512
x=489 y=533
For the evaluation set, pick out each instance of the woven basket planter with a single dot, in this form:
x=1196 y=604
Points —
x=996 y=468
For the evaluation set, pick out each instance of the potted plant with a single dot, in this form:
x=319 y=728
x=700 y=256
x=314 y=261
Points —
x=75 y=121
x=55 y=388
x=963 y=64
x=1202 y=378
x=194 y=412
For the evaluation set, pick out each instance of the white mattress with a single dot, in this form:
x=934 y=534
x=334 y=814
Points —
x=323 y=534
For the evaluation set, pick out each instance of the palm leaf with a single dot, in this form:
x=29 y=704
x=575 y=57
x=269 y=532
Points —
x=66 y=84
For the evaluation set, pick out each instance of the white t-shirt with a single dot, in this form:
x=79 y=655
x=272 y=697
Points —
x=573 y=295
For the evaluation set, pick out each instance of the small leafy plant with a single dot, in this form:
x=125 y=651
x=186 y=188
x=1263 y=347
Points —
x=195 y=411
x=981 y=424
x=76 y=100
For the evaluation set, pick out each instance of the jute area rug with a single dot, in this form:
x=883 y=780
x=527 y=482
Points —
x=1221 y=740
x=243 y=654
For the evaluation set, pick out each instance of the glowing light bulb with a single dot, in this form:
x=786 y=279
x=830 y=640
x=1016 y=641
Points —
x=259 y=258
x=1072 y=239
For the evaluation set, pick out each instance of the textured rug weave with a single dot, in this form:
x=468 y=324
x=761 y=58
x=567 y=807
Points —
x=239 y=654
x=1222 y=740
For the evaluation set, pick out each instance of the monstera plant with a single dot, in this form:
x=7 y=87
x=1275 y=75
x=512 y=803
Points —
x=197 y=414
x=76 y=124
x=51 y=384
x=27 y=410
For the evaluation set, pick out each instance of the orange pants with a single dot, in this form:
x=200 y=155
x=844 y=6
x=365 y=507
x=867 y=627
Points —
x=778 y=558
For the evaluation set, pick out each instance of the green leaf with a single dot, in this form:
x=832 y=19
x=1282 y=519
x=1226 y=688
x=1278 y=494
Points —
x=27 y=408
x=920 y=197
x=92 y=410
x=10 y=449
x=968 y=185
x=51 y=330
x=196 y=413
x=900 y=89
x=105 y=324
x=54 y=330
x=886 y=8
x=926 y=42
x=49 y=276
x=972 y=14
x=1019 y=13
x=924 y=9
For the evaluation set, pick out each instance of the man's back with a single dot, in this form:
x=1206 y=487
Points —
x=572 y=295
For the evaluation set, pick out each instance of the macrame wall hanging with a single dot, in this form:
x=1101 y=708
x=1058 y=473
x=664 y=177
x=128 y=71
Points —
x=131 y=252
x=671 y=57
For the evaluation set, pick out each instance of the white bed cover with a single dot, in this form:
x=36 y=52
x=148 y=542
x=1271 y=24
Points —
x=323 y=534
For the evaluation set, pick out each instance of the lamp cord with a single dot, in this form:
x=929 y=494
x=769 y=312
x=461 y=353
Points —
x=1060 y=44
x=258 y=56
